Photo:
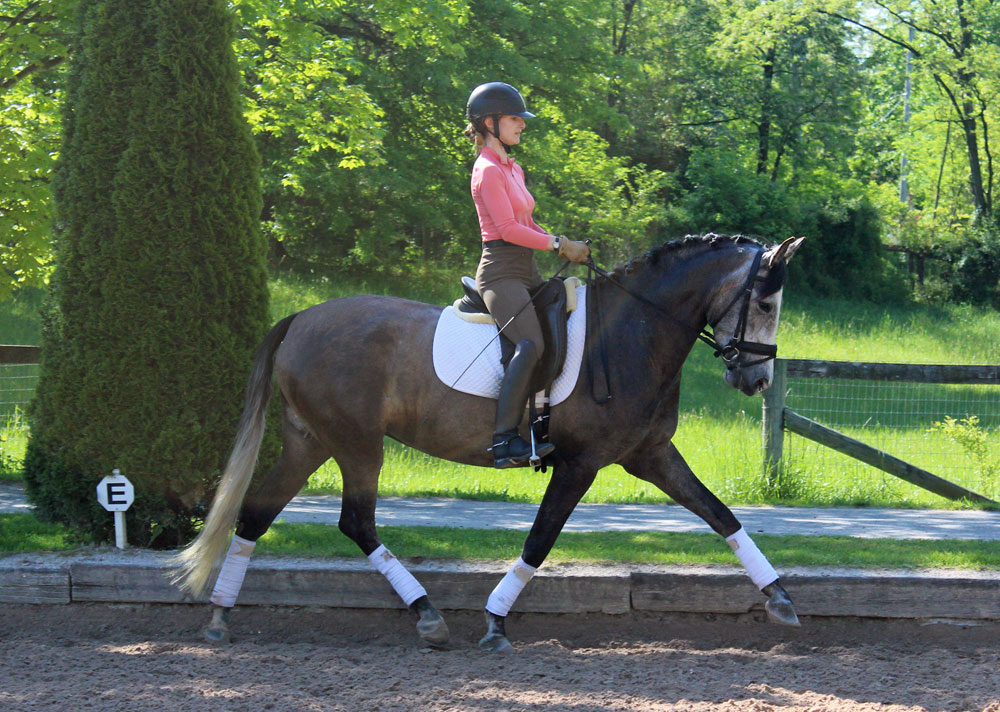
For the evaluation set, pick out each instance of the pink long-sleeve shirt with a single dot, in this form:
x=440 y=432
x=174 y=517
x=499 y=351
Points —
x=503 y=203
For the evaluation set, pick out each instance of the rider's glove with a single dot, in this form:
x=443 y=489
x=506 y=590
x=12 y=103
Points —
x=573 y=250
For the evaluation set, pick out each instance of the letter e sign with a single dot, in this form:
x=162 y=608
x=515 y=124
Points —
x=115 y=493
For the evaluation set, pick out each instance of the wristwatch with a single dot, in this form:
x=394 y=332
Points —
x=556 y=241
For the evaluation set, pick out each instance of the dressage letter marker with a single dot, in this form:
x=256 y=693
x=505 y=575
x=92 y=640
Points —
x=116 y=494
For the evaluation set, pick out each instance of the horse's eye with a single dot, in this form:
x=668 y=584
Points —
x=765 y=307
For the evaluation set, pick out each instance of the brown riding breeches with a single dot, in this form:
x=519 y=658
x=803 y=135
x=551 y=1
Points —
x=506 y=273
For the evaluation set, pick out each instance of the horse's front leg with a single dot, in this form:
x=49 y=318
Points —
x=664 y=467
x=568 y=484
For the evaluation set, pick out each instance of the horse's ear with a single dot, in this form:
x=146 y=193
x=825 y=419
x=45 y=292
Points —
x=784 y=251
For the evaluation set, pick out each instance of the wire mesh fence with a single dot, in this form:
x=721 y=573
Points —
x=17 y=386
x=950 y=430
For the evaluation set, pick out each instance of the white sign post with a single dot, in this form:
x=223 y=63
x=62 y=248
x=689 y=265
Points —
x=116 y=494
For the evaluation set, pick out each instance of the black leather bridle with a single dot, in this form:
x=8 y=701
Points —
x=738 y=345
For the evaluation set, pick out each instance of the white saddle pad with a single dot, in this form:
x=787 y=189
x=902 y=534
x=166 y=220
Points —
x=456 y=343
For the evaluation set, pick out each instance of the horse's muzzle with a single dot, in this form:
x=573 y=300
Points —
x=749 y=381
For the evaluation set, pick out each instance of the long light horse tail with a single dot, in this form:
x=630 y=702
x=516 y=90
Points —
x=194 y=566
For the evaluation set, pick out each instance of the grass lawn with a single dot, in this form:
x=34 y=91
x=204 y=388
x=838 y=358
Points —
x=720 y=431
x=21 y=533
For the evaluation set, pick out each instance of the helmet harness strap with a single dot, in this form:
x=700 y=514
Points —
x=496 y=132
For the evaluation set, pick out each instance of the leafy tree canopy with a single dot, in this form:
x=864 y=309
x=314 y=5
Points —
x=701 y=114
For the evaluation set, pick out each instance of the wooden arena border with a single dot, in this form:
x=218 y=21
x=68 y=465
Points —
x=778 y=418
x=141 y=577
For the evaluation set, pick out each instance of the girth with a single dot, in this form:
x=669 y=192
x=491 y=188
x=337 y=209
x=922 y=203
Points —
x=550 y=302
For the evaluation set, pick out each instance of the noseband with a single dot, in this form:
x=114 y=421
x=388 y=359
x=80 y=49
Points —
x=738 y=345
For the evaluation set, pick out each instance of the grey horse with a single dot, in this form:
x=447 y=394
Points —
x=356 y=369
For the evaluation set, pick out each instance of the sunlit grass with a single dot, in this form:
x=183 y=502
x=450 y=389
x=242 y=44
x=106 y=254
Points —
x=291 y=292
x=13 y=441
x=813 y=475
x=837 y=330
x=20 y=322
x=637 y=547
x=22 y=533
x=720 y=430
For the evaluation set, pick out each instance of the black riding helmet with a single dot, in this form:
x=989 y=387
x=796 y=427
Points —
x=495 y=99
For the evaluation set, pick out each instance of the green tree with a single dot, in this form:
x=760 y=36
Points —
x=159 y=294
x=318 y=75
x=33 y=39
x=383 y=183
x=776 y=84
x=956 y=44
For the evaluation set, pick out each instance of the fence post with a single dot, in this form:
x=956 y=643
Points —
x=773 y=417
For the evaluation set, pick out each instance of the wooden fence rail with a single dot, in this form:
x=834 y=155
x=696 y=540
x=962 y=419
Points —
x=911 y=372
x=777 y=418
x=17 y=355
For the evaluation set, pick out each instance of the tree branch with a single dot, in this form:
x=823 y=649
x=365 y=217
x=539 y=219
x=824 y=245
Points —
x=986 y=150
x=23 y=18
x=900 y=43
x=944 y=37
x=29 y=70
x=622 y=47
x=19 y=17
x=711 y=122
x=361 y=29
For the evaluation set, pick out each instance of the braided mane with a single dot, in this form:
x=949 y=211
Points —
x=669 y=249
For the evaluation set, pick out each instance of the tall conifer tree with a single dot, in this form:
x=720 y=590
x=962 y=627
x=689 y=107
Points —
x=160 y=291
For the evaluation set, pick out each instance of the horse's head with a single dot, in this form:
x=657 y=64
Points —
x=747 y=317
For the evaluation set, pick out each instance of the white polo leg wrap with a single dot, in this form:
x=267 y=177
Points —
x=509 y=588
x=234 y=569
x=403 y=583
x=758 y=567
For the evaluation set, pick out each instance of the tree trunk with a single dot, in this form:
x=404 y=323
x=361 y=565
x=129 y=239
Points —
x=620 y=44
x=764 y=124
x=975 y=169
x=966 y=81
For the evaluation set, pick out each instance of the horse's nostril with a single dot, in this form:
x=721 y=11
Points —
x=761 y=385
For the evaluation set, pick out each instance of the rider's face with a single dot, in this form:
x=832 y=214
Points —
x=510 y=129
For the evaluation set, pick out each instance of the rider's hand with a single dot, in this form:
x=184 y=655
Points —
x=574 y=250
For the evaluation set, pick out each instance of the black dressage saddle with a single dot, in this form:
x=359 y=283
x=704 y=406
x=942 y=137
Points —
x=551 y=307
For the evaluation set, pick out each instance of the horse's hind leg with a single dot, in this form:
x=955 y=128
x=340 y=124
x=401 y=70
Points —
x=300 y=456
x=665 y=467
x=360 y=470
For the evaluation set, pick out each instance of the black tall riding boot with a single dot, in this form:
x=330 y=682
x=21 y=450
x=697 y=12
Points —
x=509 y=448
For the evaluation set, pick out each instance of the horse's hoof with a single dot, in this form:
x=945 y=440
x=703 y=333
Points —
x=217 y=632
x=433 y=630
x=430 y=624
x=495 y=640
x=779 y=605
x=495 y=643
x=218 y=636
x=783 y=613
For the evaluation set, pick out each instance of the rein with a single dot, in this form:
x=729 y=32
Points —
x=738 y=345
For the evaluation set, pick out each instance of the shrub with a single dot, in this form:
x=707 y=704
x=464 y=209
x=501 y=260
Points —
x=843 y=256
x=971 y=437
x=976 y=277
x=160 y=292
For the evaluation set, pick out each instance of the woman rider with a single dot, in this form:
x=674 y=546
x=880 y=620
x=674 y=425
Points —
x=507 y=269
